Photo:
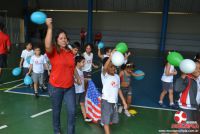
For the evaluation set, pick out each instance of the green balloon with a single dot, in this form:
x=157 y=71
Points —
x=174 y=58
x=122 y=47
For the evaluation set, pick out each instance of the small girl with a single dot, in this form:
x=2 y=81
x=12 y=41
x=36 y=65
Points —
x=88 y=55
x=167 y=84
x=125 y=81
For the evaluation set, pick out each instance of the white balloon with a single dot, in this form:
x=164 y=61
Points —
x=117 y=58
x=187 y=66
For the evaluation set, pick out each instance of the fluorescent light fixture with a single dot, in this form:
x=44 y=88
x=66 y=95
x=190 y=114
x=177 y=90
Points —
x=76 y=11
x=4 y=11
x=179 y=13
x=108 y=11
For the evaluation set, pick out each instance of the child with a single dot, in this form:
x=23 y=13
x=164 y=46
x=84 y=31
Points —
x=37 y=63
x=107 y=52
x=46 y=72
x=25 y=58
x=79 y=88
x=75 y=47
x=111 y=89
x=125 y=82
x=88 y=55
x=167 y=85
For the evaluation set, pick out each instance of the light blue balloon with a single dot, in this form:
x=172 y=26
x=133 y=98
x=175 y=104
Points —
x=16 y=71
x=38 y=17
x=139 y=77
x=100 y=45
x=28 y=80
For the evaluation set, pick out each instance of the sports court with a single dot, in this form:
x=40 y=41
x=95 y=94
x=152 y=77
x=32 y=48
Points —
x=150 y=28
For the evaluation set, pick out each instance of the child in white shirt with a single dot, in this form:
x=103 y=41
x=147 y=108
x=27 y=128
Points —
x=25 y=58
x=79 y=87
x=37 y=63
x=110 y=91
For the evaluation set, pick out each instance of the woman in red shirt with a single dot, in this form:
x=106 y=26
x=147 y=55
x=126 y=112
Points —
x=4 y=47
x=61 y=81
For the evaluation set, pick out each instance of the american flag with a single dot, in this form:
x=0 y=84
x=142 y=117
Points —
x=93 y=102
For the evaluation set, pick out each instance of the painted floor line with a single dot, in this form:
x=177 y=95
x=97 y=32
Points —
x=14 y=87
x=25 y=93
x=41 y=113
x=154 y=108
x=10 y=82
x=4 y=126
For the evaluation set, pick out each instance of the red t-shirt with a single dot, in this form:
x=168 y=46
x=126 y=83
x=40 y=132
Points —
x=98 y=36
x=62 y=72
x=4 y=43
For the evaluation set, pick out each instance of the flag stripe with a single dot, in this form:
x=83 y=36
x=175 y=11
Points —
x=93 y=102
x=96 y=108
x=93 y=113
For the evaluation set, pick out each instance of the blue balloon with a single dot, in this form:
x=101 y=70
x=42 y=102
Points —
x=38 y=17
x=16 y=71
x=28 y=80
x=28 y=60
x=100 y=45
x=139 y=77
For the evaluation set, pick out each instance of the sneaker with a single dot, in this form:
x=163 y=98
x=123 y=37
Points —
x=162 y=105
x=44 y=87
x=173 y=106
x=36 y=95
x=127 y=113
x=87 y=120
x=120 y=109
x=101 y=124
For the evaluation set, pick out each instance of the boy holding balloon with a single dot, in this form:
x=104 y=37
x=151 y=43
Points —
x=37 y=63
x=110 y=92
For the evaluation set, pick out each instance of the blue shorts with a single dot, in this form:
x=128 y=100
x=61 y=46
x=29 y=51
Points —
x=167 y=86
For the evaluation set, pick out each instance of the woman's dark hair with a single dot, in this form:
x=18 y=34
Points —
x=2 y=26
x=78 y=59
x=56 y=38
